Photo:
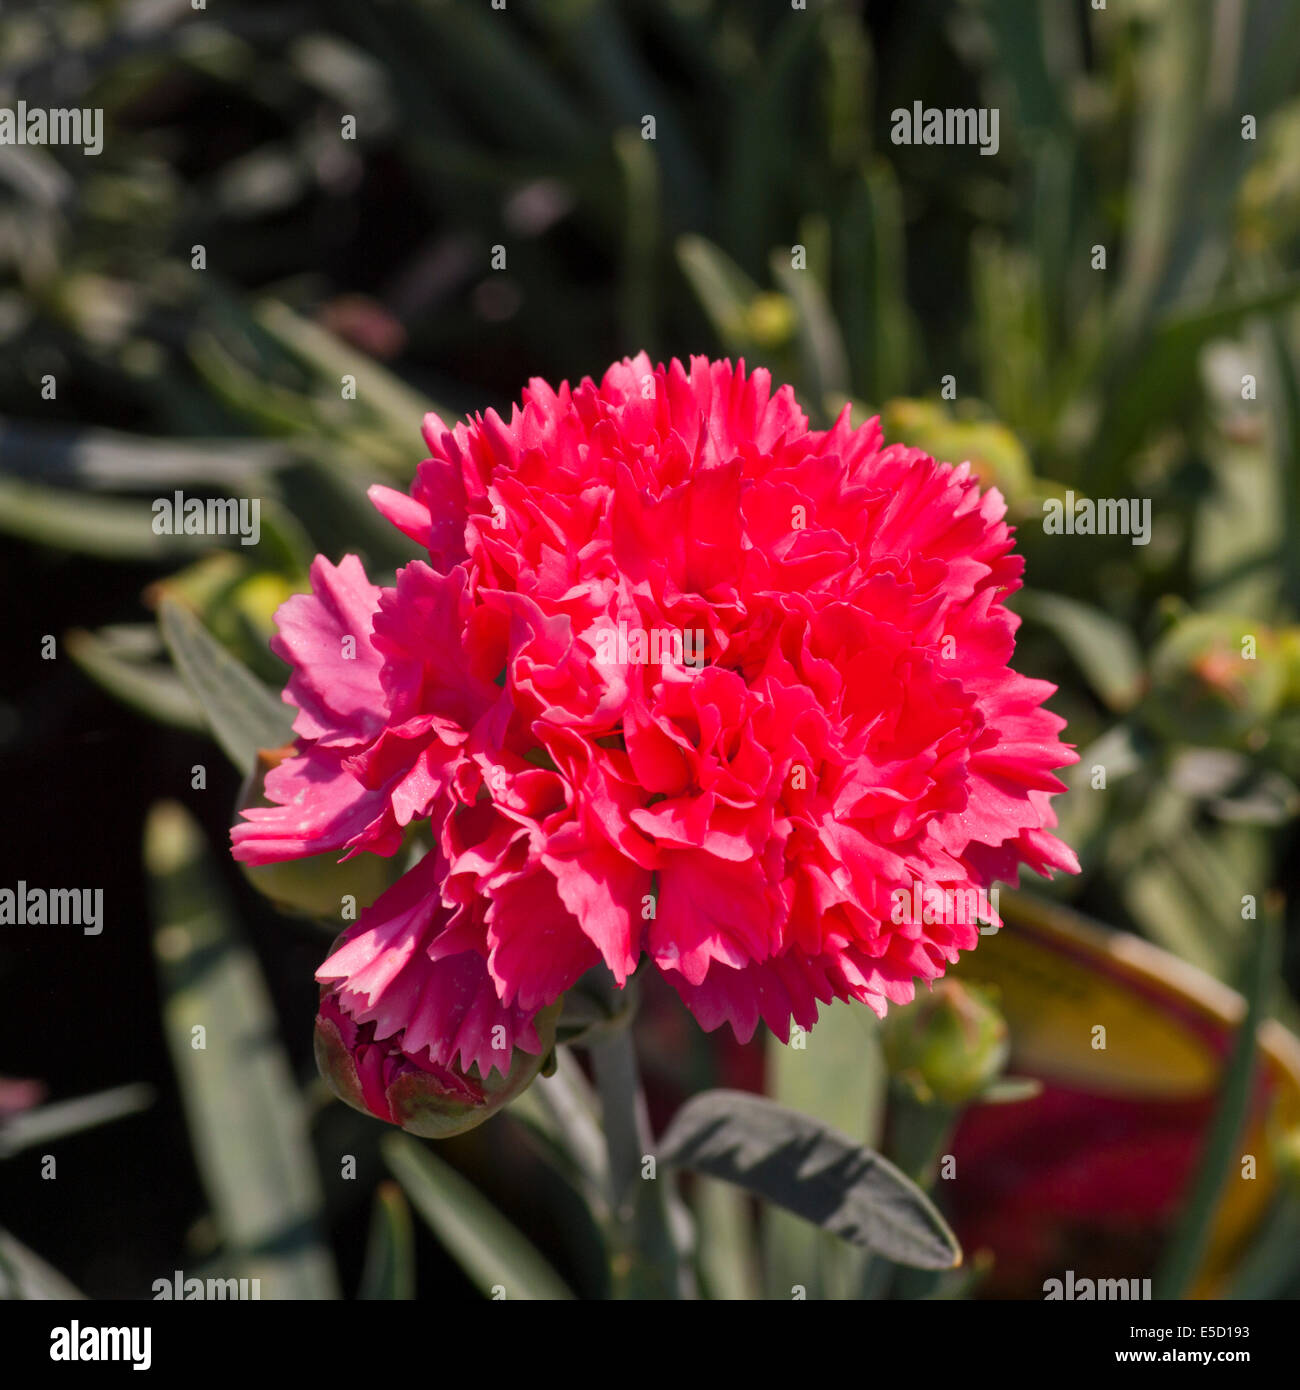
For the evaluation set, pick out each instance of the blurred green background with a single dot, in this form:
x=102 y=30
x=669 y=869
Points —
x=198 y=291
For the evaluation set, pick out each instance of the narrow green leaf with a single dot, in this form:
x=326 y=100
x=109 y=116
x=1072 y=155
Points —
x=328 y=496
x=487 y=1247
x=729 y=1258
x=812 y=1170
x=389 y=1271
x=1182 y=1256
x=50 y=1122
x=1144 y=399
x=1010 y=327
x=241 y=712
x=871 y=264
x=504 y=80
x=106 y=460
x=1022 y=54
x=246 y=1117
x=834 y=1073
x=724 y=290
x=561 y=1109
x=1104 y=650
x=1287 y=416
x=766 y=150
x=109 y=528
x=150 y=688
x=823 y=361
x=615 y=67
x=401 y=406
x=24 y=1275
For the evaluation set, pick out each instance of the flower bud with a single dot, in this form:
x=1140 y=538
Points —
x=949 y=1045
x=376 y=1077
x=771 y=320
x=993 y=451
x=1216 y=680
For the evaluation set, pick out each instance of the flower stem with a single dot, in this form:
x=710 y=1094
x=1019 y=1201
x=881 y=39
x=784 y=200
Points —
x=917 y=1134
x=645 y=1261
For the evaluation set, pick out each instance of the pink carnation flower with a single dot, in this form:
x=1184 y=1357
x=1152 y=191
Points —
x=682 y=679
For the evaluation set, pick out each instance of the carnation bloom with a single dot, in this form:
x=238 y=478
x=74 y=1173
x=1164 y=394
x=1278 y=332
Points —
x=681 y=678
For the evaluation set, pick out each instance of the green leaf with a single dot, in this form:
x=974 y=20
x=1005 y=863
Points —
x=1183 y=881
x=1104 y=650
x=328 y=496
x=1010 y=331
x=246 y=1117
x=109 y=460
x=812 y=1170
x=562 y=1111
x=729 y=1260
x=848 y=87
x=767 y=152
x=491 y=71
x=109 y=528
x=836 y=1075
x=389 y=1271
x=1022 y=52
x=50 y=1122
x=615 y=67
x=1287 y=424
x=870 y=265
x=273 y=408
x=400 y=406
x=1144 y=399
x=486 y=1246
x=23 y=1274
x=150 y=688
x=241 y=712
x=1182 y=1256
x=823 y=361
x=724 y=290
